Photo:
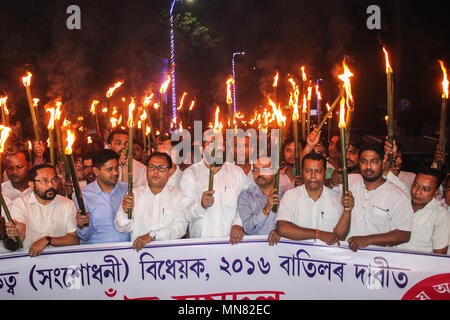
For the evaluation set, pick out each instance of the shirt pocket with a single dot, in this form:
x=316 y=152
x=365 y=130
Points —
x=229 y=197
x=379 y=217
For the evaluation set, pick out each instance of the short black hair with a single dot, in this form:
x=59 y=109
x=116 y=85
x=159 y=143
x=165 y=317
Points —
x=315 y=156
x=114 y=132
x=355 y=141
x=162 y=155
x=102 y=156
x=290 y=139
x=32 y=174
x=88 y=155
x=138 y=142
x=428 y=171
x=372 y=146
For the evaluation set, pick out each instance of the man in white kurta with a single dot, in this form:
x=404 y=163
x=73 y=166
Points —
x=158 y=210
x=431 y=228
x=217 y=219
x=43 y=217
x=17 y=166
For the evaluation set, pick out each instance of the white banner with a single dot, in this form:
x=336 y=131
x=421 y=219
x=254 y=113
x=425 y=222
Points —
x=212 y=269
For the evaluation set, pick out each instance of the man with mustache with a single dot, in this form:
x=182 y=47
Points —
x=102 y=199
x=313 y=211
x=158 y=209
x=43 y=218
x=17 y=165
x=431 y=228
x=287 y=179
x=118 y=142
x=255 y=203
x=382 y=214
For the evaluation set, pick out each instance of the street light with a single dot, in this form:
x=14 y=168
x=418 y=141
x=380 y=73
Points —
x=234 y=79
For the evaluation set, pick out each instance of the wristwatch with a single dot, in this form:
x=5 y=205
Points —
x=49 y=240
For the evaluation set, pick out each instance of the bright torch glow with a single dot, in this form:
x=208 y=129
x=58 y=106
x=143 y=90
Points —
x=131 y=108
x=191 y=107
x=342 y=114
x=111 y=90
x=388 y=65
x=281 y=119
x=27 y=79
x=51 y=122
x=445 y=81
x=93 y=105
x=275 y=80
x=230 y=83
x=164 y=86
x=35 y=102
x=293 y=101
x=304 y=78
x=345 y=78
x=3 y=137
x=217 y=124
x=58 y=110
x=3 y=104
x=70 y=140
x=147 y=100
x=182 y=101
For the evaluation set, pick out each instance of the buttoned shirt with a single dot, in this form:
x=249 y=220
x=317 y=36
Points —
x=299 y=208
x=56 y=219
x=285 y=182
x=378 y=211
x=139 y=174
x=217 y=220
x=175 y=178
x=250 y=206
x=11 y=192
x=161 y=215
x=102 y=207
x=431 y=229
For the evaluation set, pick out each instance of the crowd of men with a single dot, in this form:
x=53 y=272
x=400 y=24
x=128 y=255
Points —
x=384 y=206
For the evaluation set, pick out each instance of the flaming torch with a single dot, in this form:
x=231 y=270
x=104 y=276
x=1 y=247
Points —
x=443 y=124
x=345 y=78
x=146 y=104
x=4 y=133
x=295 y=116
x=162 y=91
x=51 y=135
x=230 y=83
x=217 y=130
x=281 y=120
x=390 y=102
x=131 y=108
x=68 y=152
x=275 y=85
x=94 y=113
x=342 y=126
x=27 y=83
x=4 y=110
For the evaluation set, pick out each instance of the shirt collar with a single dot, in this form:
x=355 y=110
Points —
x=98 y=190
x=33 y=200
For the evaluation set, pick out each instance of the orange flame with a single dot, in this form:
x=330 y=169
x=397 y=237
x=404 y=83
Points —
x=217 y=124
x=275 y=80
x=445 y=81
x=182 y=101
x=51 y=122
x=58 y=110
x=30 y=146
x=309 y=93
x=89 y=140
x=143 y=116
x=111 y=90
x=3 y=103
x=35 y=102
x=345 y=78
x=147 y=100
x=131 y=108
x=388 y=65
x=70 y=140
x=293 y=101
x=230 y=82
x=191 y=107
x=305 y=104
x=281 y=119
x=328 y=109
x=27 y=79
x=342 y=114
x=3 y=137
x=164 y=86
x=156 y=106
x=319 y=96
x=66 y=123
x=303 y=73
x=147 y=130
x=93 y=105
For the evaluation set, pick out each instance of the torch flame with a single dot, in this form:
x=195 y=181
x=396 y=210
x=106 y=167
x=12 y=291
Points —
x=35 y=102
x=293 y=101
x=111 y=90
x=388 y=65
x=27 y=79
x=319 y=96
x=156 y=106
x=182 y=101
x=51 y=122
x=345 y=78
x=58 y=110
x=230 y=82
x=3 y=103
x=131 y=108
x=143 y=116
x=328 y=109
x=445 y=81
x=281 y=119
x=70 y=140
x=305 y=104
x=147 y=100
x=93 y=105
x=303 y=73
x=30 y=146
x=275 y=80
x=164 y=86
x=3 y=137
x=192 y=105
x=217 y=125
x=342 y=114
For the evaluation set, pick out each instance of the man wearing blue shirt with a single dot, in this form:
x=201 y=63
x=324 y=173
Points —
x=102 y=198
x=255 y=203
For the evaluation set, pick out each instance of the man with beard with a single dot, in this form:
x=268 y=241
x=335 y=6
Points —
x=382 y=214
x=287 y=179
x=158 y=209
x=117 y=142
x=352 y=162
x=313 y=211
x=255 y=203
x=431 y=228
x=43 y=218
x=17 y=165
x=102 y=199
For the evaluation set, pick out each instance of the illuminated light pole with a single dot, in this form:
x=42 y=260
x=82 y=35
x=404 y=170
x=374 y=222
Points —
x=234 y=79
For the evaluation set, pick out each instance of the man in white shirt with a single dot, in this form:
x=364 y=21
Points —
x=431 y=228
x=17 y=165
x=158 y=210
x=382 y=214
x=117 y=142
x=42 y=217
x=313 y=211
x=214 y=213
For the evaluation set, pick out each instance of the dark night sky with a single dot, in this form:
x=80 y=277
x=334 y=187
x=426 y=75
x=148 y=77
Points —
x=118 y=38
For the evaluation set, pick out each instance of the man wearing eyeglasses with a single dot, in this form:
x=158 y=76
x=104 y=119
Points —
x=158 y=209
x=43 y=218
